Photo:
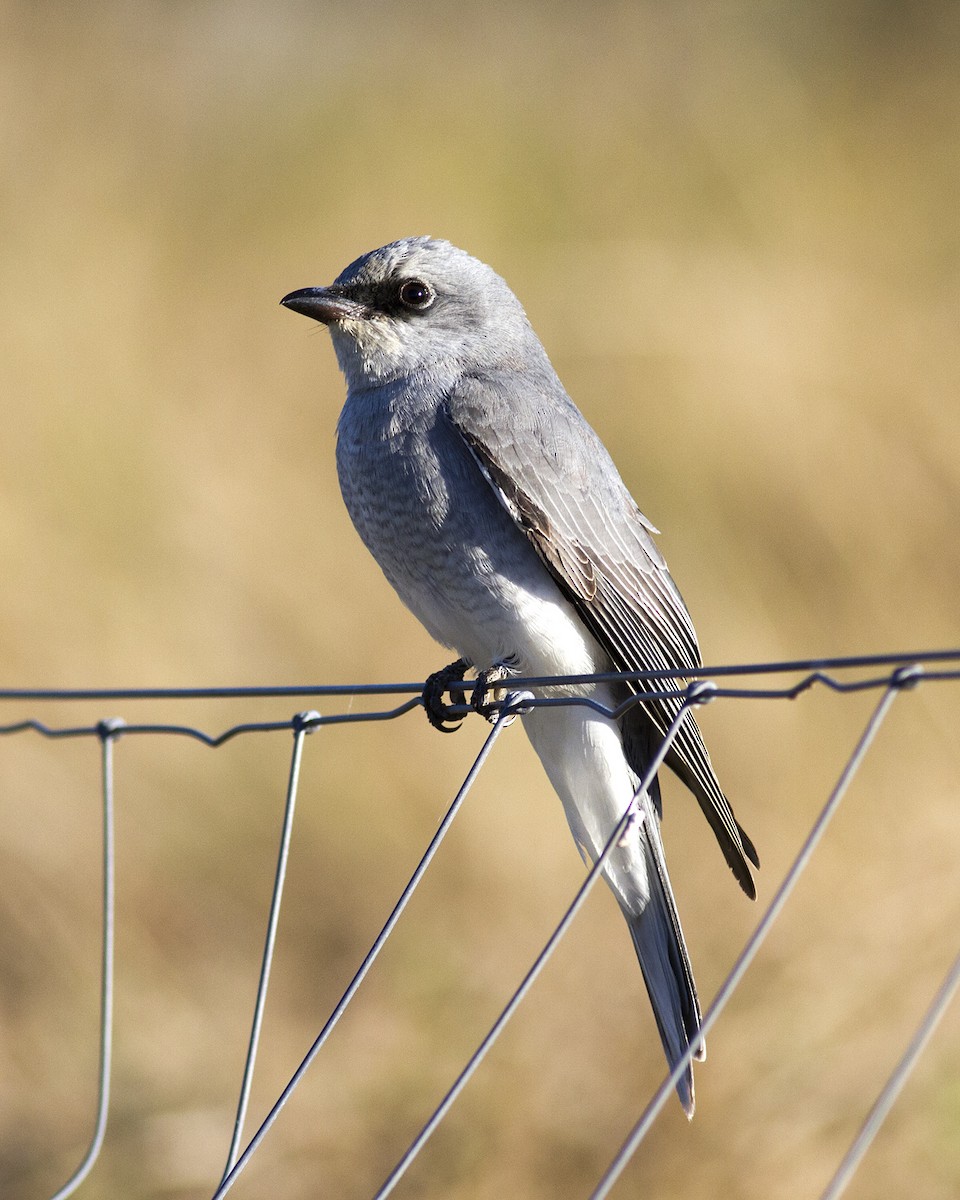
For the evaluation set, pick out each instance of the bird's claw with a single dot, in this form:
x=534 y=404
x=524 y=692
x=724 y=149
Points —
x=486 y=693
x=436 y=708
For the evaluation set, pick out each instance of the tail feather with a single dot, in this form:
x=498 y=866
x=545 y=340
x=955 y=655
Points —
x=664 y=961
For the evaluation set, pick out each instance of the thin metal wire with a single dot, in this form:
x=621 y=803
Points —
x=849 y=662
x=894 y=1085
x=108 y=732
x=904 y=678
x=305 y=723
x=698 y=693
x=792 y=691
x=905 y=672
x=515 y=703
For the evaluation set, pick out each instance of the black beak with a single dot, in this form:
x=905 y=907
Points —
x=327 y=305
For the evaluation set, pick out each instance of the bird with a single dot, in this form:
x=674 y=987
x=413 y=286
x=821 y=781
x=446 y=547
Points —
x=501 y=521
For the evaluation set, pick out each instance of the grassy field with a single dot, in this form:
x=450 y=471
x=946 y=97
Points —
x=736 y=229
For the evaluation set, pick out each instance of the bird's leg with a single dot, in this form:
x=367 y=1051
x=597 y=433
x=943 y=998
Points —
x=436 y=708
x=485 y=689
x=632 y=828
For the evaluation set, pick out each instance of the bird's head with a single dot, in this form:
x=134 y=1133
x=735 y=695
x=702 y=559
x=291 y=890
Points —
x=417 y=305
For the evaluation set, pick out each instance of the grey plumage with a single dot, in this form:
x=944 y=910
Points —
x=500 y=519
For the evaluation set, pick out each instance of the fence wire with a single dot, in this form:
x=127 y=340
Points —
x=890 y=674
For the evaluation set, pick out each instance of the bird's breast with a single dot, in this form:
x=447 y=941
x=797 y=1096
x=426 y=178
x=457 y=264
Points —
x=449 y=547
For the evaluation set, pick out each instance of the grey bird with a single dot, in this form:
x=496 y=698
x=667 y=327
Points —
x=496 y=513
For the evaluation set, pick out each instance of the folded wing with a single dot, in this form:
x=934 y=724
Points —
x=556 y=479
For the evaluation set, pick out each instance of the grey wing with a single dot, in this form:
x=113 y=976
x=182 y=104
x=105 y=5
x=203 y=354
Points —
x=554 y=476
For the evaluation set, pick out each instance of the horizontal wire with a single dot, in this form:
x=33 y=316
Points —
x=815 y=665
x=790 y=692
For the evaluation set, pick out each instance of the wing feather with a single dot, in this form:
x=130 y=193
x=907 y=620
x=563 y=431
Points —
x=557 y=481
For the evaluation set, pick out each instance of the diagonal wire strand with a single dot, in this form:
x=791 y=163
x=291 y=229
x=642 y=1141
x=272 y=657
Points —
x=517 y=700
x=903 y=678
x=894 y=1085
x=304 y=723
x=108 y=731
x=696 y=694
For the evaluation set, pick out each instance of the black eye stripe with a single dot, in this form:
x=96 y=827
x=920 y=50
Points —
x=415 y=295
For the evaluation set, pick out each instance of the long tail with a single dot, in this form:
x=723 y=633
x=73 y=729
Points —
x=664 y=961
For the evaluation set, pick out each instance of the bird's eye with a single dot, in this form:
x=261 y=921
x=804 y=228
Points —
x=416 y=295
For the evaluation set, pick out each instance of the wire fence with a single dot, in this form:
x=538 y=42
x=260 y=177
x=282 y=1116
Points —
x=888 y=675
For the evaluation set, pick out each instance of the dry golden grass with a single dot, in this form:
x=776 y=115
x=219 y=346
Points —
x=736 y=229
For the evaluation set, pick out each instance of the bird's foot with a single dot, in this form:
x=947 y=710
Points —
x=485 y=692
x=436 y=708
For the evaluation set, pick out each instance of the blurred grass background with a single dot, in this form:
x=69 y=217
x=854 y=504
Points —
x=736 y=229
